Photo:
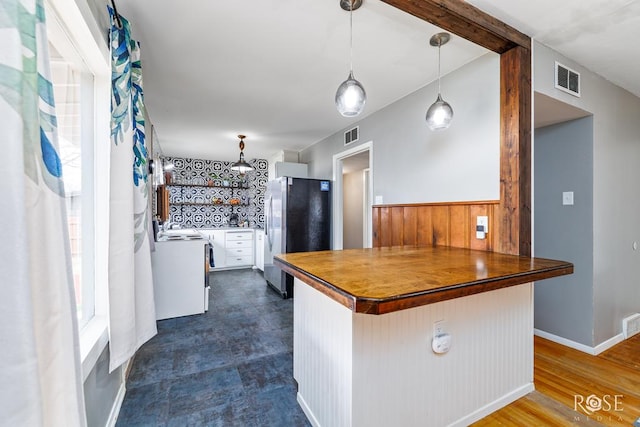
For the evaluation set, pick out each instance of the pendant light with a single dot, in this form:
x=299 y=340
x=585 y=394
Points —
x=440 y=114
x=350 y=96
x=241 y=166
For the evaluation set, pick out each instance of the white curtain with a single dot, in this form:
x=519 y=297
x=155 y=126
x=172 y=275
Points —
x=40 y=380
x=132 y=318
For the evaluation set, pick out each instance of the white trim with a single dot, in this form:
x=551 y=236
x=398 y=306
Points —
x=366 y=209
x=117 y=404
x=495 y=405
x=94 y=338
x=307 y=411
x=337 y=225
x=76 y=20
x=594 y=351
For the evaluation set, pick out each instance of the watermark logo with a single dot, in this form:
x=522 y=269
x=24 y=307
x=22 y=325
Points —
x=607 y=406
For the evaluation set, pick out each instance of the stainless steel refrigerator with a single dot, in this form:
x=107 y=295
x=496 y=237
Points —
x=297 y=219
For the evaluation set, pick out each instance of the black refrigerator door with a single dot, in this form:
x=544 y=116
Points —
x=308 y=215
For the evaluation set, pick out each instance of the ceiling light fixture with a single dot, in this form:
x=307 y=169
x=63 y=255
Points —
x=350 y=96
x=440 y=114
x=241 y=166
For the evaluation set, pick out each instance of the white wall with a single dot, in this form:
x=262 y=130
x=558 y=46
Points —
x=616 y=199
x=413 y=164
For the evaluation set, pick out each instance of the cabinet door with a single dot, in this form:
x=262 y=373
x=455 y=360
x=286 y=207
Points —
x=219 y=248
x=260 y=249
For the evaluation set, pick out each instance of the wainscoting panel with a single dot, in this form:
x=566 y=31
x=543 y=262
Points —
x=427 y=224
x=322 y=356
x=398 y=380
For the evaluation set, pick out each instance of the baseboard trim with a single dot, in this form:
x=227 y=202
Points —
x=594 y=351
x=117 y=404
x=494 y=406
x=307 y=411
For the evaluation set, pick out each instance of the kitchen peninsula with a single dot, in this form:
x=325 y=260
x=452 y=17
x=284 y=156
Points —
x=364 y=320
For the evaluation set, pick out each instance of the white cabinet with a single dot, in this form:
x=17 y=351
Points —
x=219 y=249
x=260 y=249
x=239 y=248
x=232 y=248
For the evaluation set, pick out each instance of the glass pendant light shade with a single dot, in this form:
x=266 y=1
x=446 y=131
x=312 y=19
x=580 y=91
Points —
x=350 y=97
x=439 y=115
x=241 y=166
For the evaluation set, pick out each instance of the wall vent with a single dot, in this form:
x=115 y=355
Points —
x=567 y=80
x=352 y=135
x=631 y=325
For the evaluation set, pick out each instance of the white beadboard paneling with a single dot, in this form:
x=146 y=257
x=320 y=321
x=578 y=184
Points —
x=322 y=362
x=384 y=367
x=491 y=357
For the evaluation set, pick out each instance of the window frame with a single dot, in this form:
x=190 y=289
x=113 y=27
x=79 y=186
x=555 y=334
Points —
x=72 y=28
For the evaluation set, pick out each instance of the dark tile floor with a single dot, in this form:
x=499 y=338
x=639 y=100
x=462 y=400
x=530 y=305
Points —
x=232 y=366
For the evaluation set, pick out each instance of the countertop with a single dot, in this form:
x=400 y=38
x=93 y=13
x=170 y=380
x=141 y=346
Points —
x=383 y=280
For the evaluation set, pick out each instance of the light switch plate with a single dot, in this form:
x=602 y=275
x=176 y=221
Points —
x=567 y=198
x=378 y=200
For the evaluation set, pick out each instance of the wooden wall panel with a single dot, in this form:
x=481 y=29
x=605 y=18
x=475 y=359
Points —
x=424 y=221
x=410 y=227
x=397 y=225
x=442 y=224
x=459 y=226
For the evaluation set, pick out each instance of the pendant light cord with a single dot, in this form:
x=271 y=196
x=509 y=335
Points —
x=439 y=45
x=351 y=36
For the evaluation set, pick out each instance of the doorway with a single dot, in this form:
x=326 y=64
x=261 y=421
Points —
x=352 y=195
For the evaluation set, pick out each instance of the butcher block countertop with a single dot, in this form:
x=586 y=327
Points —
x=384 y=280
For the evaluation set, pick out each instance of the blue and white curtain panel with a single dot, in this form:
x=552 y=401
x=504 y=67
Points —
x=40 y=358
x=131 y=305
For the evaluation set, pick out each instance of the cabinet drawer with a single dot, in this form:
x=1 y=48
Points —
x=233 y=261
x=239 y=235
x=232 y=244
x=231 y=252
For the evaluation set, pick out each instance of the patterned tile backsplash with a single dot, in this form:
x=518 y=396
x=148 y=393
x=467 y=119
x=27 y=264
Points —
x=192 y=205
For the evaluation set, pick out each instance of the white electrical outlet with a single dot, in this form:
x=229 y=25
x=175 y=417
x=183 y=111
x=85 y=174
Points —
x=439 y=328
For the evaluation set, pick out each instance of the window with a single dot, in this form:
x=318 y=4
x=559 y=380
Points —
x=70 y=82
x=80 y=73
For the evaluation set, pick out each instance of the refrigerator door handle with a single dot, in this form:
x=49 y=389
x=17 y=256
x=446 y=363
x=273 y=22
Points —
x=269 y=222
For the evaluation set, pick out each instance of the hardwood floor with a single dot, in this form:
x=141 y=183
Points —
x=567 y=379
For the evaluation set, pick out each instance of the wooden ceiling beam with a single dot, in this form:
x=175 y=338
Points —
x=466 y=21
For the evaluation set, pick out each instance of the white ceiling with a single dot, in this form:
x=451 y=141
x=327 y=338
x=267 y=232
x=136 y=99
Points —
x=269 y=68
x=601 y=35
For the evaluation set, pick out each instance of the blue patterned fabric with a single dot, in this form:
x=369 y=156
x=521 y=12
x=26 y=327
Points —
x=41 y=379
x=131 y=301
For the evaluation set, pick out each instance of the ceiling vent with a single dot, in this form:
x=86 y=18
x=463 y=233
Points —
x=352 y=135
x=567 y=80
